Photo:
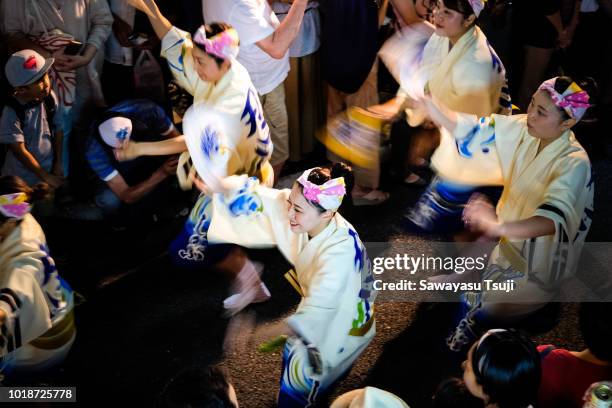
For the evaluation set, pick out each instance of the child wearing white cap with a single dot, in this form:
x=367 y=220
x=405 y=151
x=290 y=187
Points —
x=28 y=124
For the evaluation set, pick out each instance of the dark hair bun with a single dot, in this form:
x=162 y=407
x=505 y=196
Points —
x=588 y=84
x=341 y=169
x=39 y=192
x=14 y=184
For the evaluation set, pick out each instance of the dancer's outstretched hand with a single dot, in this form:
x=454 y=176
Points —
x=479 y=215
x=146 y=6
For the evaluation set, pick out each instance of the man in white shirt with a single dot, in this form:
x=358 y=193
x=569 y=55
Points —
x=264 y=42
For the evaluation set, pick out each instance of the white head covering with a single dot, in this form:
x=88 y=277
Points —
x=116 y=131
x=369 y=397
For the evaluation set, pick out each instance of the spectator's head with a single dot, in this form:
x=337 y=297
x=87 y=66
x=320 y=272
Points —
x=503 y=369
x=317 y=195
x=16 y=200
x=26 y=72
x=453 y=18
x=115 y=131
x=195 y=387
x=215 y=45
x=452 y=392
x=596 y=328
x=557 y=105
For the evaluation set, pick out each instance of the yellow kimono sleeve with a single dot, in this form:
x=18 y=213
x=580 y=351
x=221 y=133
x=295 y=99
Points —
x=469 y=155
x=253 y=216
x=25 y=305
x=569 y=197
x=176 y=48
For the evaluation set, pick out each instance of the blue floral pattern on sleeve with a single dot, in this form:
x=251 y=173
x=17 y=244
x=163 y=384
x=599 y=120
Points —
x=246 y=201
x=464 y=144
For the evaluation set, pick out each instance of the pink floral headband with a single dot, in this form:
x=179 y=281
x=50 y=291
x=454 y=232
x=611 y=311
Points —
x=574 y=100
x=223 y=45
x=328 y=195
x=14 y=205
x=477 y=6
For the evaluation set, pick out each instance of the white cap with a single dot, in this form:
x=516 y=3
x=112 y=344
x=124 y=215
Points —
x=26 y=67
x=116 y=131
x=369 y=397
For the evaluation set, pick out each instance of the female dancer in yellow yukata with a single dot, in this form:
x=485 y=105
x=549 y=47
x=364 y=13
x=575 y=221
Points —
x=458 y=67
x=334 y=321
x=206 y=67
x=36 y=305
x=546 y=207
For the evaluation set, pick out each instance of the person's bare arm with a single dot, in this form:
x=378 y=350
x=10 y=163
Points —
x=132 y=194
x=404 y=9
x=568 y=32
x=69 y=62
x=531 y=227
x=26 y=158
x=438 y=113
x=555 y=20
x=391 y=109
x=277 y=43
x=161 y=25
x=58 y=142
x=479 y=215
x=173 y=145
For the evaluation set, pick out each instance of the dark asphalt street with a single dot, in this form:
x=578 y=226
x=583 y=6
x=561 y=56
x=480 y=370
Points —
x=143 y=320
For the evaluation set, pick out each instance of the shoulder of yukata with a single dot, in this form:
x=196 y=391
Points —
x=346 y=236
x=179 y=64
x=252 y=113
x=578 y=162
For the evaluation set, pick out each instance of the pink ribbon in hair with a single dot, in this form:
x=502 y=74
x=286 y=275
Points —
x=14 y=205
x=328 y=195
x=573 y=100
x=223 y=45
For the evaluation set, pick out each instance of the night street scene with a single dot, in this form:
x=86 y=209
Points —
x=302 y=203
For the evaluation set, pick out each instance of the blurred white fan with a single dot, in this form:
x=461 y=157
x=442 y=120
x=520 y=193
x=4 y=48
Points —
x=402 y=54
x=207 y=131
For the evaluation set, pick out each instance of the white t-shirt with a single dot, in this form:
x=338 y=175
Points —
x=254 y=20
x=115 y=53
x=589 y=6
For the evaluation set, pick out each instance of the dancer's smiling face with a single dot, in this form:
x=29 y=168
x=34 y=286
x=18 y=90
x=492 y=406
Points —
x=303 y=215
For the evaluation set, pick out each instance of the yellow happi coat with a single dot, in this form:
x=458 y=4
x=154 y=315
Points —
x=555 y=183
x=249 y=147
x=39 y=329
x=469 y=78
x=332 y=269
x=245 y=146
